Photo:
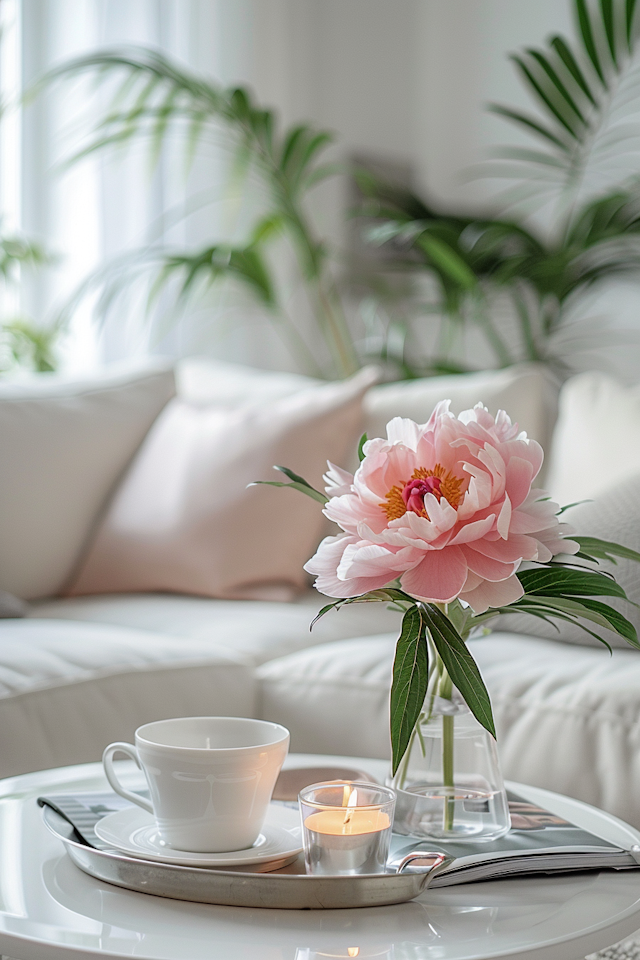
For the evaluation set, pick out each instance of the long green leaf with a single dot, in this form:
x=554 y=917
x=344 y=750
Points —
x=570 y=62
x=544 y=613
x=409 y=684
x=597 y=612
x=460 y=665
x=561 y=581
x=528 y=122
x=543 y=95
x=606 y=9
x=586 y=30
x=597 y=549
x=291 y=144
x=630 y=9
x=447 y=260
x=557 y=82
x=301 y=487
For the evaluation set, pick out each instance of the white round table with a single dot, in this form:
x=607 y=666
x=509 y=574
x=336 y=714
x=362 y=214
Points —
x=50 y=910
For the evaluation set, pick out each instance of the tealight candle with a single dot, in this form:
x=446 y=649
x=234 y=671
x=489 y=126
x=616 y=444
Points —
x=346 y=827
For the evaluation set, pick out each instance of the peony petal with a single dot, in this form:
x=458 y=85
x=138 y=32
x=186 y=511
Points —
x=438 y=578
x=489 y=594
x=474 y=531
x=490 y=568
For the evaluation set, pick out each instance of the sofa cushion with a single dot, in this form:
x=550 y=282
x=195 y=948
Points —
x=65 y=444
x=527 y=393
x=254 y=630
x=203 y=381
x=597 y=439
x=566 y=716
x=613 y=516
x=68 y=689
x=186 y=518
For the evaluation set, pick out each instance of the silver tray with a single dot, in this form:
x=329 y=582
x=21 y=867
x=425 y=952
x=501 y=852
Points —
x=289 y=888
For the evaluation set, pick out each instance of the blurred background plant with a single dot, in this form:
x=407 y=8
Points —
x=571 y=220
x=24 y=344
x=155 y=98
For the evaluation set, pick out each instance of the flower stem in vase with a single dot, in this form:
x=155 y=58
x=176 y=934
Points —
x=445 y=691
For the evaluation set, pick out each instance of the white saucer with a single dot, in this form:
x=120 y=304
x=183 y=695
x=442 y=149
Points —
x=134 y=831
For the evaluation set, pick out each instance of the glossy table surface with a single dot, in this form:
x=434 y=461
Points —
x=50 y=909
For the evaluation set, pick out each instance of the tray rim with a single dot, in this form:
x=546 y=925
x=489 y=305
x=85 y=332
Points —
x=399 y=888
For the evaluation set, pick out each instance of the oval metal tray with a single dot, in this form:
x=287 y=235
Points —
x=289 y=888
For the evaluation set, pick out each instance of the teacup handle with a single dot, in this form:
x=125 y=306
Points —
x=107 y=763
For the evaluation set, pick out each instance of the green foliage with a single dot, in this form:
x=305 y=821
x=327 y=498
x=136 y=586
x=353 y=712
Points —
x=24 y=343
x=409 y=685
x=460 y=665
x=297 y=483
x=583 y=91
x=29 y=346
x=156 y=99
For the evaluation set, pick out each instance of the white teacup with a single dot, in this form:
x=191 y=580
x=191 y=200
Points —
x=210 y=778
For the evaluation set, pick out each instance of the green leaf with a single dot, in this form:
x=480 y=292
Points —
x=528 y=122
x=291 y=143
x=543 y=95
x=597 y=549
x=544 y=613
x=586 y=30
x=600 y=613
x=568 y=506
x=409 y=684
x=557 y=82
x=302 y=488
x=460 y=665
x=445 y=257
x=606 y=8
x=563 y=51
x=630 y=9
x=559 y=581
x=363 y=440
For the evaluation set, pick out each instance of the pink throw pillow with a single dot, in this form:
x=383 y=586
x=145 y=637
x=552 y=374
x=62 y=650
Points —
x=183 y=519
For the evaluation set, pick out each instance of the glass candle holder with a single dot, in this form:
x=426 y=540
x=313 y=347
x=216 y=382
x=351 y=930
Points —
x=346 y=827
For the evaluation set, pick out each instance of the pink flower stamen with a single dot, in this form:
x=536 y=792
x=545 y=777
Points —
x=415 y=491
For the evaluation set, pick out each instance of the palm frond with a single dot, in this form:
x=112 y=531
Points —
x=583 y=91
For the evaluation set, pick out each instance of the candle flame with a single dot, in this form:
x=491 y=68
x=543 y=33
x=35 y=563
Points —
x=353 y=951
x=350 y=801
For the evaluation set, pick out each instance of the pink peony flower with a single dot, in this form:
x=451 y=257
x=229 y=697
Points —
x=447 y=507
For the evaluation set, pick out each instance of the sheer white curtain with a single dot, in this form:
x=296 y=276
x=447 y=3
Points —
x=95 y=210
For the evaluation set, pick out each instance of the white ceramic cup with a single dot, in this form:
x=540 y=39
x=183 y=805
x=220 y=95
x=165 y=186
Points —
x=210 y=778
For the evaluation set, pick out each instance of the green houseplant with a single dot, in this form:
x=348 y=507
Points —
x=583 y=166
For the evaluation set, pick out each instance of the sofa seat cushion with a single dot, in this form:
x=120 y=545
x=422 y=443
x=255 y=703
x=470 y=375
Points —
x=568 y=717
x=258 y=631
x=67 y=689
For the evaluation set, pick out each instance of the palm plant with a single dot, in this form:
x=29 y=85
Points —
x=584 y=168
x=154 y=98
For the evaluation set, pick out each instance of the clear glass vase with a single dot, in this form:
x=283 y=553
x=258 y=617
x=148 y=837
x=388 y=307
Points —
x=449 y=785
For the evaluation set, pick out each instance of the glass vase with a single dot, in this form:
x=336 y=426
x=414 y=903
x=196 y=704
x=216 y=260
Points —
x=449 y=785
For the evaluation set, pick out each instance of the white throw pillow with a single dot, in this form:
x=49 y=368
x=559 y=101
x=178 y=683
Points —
x=183 y=519
x=63 y=446
x=202 y=381
x=527 y=393
x=597 y=439
x=614 y=516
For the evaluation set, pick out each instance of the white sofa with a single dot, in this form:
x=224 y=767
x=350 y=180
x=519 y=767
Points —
x=78 y=672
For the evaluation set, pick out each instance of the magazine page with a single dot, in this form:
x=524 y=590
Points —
x=539 y=841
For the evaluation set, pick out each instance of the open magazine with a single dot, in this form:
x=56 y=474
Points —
x=538 y=842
